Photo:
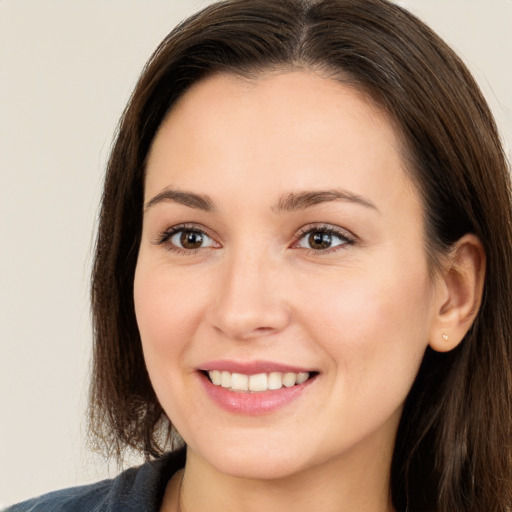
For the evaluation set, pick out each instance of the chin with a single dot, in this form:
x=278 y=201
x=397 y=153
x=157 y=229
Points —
x=265 y=468
x=255 y=462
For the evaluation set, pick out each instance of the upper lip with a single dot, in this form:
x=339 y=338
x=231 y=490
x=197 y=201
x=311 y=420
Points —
x=252 y=367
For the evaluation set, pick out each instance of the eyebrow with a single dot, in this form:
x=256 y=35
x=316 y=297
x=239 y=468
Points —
x=293 y=201
x=190 y=199
x=304 y=200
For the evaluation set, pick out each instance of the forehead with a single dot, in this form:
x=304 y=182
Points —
x=298 y=129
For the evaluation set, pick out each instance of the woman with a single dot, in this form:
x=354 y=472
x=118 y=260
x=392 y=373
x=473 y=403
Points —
x=302 y=270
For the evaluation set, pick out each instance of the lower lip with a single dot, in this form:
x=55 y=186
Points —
x=256 y=403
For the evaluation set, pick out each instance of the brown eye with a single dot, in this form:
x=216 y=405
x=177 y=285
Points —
x=323 y=239
x=188 y=239
x=319 y=240
x=191 y=239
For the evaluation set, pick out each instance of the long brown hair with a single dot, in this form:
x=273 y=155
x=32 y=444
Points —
x=453 y=446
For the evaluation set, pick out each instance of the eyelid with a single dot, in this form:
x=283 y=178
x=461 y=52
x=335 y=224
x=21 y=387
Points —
x=165 y=236
x=344 y=234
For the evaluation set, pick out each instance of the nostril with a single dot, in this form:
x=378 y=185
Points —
x=243 y=331
x=264 y=330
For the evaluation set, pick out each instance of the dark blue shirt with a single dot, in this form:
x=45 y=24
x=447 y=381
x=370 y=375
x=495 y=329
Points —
x=138 y=489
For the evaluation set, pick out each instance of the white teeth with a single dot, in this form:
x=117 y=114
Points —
x=215 y=377
x=302 y=377
x=225 y=379
x=257 y=382
x=289 y=379
x=239 y=382
x=275 y=380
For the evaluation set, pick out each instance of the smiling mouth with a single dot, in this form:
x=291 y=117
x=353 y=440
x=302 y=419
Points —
x=258 y=382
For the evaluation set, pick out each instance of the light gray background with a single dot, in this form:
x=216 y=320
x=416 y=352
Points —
x=67 y=68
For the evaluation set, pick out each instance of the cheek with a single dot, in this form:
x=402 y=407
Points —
x=372 y=325
x=168 y=309
x=166 y=303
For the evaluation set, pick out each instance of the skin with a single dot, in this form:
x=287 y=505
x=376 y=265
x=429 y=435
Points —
x=361 y=312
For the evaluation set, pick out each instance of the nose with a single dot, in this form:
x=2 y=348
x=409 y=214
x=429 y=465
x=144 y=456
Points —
x=251 y=301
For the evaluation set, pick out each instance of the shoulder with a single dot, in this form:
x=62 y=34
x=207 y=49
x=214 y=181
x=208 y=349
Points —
x=87 y=497
x=137 y=489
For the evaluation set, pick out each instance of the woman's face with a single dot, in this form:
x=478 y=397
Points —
x=281 y=235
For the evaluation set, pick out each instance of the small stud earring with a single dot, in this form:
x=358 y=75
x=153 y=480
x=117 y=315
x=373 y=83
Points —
x=445 y=336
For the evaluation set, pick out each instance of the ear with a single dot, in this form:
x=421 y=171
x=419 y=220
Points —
x=460 y=288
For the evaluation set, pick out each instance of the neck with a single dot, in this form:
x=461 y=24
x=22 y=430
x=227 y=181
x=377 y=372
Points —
x=338 y=485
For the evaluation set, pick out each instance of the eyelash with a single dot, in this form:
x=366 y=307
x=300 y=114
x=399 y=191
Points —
x=165 y=237
x=329 y=230
x=325 y=229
